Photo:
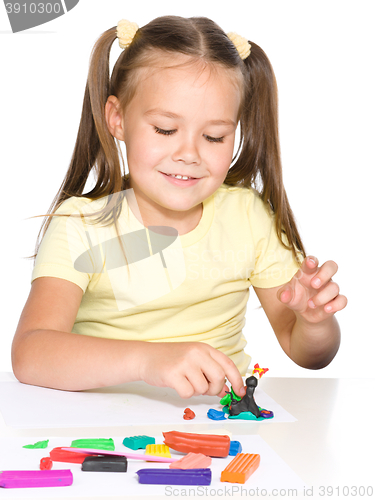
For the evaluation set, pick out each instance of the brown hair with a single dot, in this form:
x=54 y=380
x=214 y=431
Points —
x=258 y=164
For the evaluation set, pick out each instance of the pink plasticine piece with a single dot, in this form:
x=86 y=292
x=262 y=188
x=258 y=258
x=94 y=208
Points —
x=192 y=461
x=135 y=456
x=35 y=478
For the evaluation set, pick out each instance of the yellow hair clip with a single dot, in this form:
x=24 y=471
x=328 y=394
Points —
x=125 y=32
x=242 y=45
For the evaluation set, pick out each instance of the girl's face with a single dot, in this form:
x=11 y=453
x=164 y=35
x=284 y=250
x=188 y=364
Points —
x=181 y=121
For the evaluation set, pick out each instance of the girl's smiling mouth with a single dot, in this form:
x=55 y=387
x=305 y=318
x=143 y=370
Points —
x=181 y=180
x=180 y=176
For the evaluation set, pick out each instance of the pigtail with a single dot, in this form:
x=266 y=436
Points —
x=95 y=147
x=259 y=163
x=107 y=157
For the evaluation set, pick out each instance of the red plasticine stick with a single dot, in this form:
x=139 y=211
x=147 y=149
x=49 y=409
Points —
x=210 y=445
x=61 y=455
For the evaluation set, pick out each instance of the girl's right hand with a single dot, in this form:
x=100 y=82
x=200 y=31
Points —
x=191 y=368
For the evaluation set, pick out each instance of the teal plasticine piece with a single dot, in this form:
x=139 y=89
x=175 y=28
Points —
x=138 y=442
x=245 y=415
x=96 y=444
x=38 y=445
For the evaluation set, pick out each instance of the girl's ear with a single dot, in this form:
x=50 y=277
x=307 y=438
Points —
x=113 y=117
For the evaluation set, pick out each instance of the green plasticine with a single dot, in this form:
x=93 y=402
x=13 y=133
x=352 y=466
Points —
x=226 y=400
x=138 y=442
x=38 y=445
x=96 y=444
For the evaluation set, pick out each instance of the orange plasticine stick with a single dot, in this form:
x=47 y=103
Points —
x=210 y=445
x=240 y=468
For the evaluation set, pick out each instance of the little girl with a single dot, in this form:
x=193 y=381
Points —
x=147 y=276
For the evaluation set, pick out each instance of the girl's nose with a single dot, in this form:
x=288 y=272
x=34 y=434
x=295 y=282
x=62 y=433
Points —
x=187 y=151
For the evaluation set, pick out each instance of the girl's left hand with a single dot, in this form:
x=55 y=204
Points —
x=311 y=293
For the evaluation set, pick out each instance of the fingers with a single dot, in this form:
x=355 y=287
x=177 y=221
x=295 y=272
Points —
x=195 y=368
x=231 y=372
x=336 y=305
x=184 y=388
x=285 y=294
x=311 y=289
x=204 y=376
x=325 y=274
x=329 y=298
x=223 y=391
x=208 y=380
x=309 y=265
x=328 y=293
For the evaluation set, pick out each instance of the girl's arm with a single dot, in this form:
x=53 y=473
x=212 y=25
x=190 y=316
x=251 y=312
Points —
x=301 y=314
x=46 y=353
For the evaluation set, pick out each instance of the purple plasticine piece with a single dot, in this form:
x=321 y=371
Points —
x=35 y=478
x=188 y=477
x=266 y=413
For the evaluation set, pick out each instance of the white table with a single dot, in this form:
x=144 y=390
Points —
x=330 y=446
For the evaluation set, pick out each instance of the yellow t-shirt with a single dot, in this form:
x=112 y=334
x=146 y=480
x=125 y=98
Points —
x=193 y=287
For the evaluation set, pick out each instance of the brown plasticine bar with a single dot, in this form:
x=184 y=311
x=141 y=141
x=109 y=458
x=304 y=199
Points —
x=211 y=445
x=240 y=468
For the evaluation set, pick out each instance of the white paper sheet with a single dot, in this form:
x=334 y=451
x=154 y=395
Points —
x=136 y=403
x=273 y=474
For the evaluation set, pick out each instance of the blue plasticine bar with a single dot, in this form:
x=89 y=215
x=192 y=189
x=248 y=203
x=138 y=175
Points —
x=188 y=477
x=235 y=447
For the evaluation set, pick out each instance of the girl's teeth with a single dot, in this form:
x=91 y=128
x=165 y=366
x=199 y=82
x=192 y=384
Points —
x=184 y=177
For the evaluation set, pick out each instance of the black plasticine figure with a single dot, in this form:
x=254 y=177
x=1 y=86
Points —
x=247 y=403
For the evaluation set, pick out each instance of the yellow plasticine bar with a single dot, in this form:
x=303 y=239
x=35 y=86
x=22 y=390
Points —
x=240 y=468
x=158 y=450
x=192 y=461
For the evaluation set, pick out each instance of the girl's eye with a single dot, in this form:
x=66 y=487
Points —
x=164 y=132
x=214 y=139
x=170 y=132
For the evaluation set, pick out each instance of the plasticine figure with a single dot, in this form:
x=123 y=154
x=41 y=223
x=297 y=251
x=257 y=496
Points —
x=247 y=403
x=236 y=406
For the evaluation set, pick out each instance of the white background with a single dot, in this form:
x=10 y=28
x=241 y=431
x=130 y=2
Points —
x=323 y=56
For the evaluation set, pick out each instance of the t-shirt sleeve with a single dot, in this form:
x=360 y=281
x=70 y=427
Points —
x=274 y=264
x=63 y=242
